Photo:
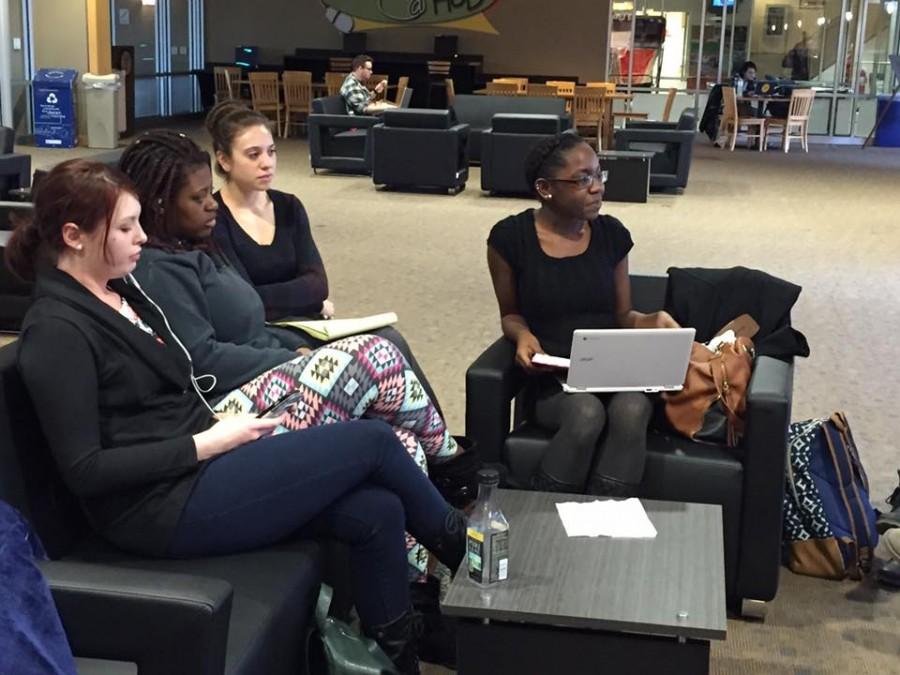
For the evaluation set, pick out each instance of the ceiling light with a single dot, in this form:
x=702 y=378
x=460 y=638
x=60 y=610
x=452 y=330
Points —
x=849 y=16
x=821 y=21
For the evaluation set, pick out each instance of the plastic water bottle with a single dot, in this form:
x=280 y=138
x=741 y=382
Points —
x=487 y=534
x=739 y=86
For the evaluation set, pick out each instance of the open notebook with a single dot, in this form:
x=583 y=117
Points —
x=332 y=329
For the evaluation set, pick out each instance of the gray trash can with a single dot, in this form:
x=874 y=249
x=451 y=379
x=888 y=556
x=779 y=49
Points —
x=101 y=102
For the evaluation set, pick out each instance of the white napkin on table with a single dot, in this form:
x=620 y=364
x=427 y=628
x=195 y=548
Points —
x=606 y=518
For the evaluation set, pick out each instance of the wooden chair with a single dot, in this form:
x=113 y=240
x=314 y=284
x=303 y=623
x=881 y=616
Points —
x=563 y=87
x=297 y=96
x=451 y=91
x=520 y=82
x=373 y=82
x=541 y=91
x=587 y=108
x=608 y=87
x=265 y=96
x=333 y=82
x=501 y=89
x=438 y=71
x=731 y=122
x=226 y=82
x=670 y=99
x=797 y=119
x=340 y=64
x=402 y=84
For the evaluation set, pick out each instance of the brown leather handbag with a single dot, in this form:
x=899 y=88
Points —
x=710 y=408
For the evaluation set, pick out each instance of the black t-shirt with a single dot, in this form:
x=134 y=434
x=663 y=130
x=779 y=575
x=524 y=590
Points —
x=288 y=274
x=559 y=295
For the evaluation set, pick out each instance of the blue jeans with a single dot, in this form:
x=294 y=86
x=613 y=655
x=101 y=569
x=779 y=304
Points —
x=351 y=481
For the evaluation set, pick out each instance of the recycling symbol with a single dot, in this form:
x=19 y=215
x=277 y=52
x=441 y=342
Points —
x=51 y=98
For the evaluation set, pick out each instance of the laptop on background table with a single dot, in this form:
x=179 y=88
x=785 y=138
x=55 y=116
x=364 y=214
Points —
x=626 y=359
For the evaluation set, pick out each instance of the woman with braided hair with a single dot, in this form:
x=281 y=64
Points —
x=243 y=365
x=556 y=269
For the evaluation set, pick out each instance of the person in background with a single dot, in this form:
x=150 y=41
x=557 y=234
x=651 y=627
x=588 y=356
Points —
x=265 y=233
x=156 y=471
x=555 y=269
x=745 y=85
x=357 y=97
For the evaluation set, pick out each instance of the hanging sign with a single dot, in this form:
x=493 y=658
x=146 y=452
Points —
x=350 y=16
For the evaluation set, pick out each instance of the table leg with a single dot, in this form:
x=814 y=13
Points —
x=499 y=647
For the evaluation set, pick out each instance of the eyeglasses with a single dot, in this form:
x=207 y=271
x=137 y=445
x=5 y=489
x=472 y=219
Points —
x=585 y=181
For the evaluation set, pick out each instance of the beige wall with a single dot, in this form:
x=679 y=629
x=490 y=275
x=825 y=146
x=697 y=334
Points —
x=536 y=36
x=60 y=34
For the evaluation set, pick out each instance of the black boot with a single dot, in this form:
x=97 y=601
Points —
x=457 y=478
x=544 y=482
x=610 y=487
x=437 y=644
x=450 y=546
x=397 y=640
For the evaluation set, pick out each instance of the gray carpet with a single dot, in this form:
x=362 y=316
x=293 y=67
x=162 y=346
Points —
x=827 y=220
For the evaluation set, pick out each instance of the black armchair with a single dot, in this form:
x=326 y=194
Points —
x=505 y=146
x=338 y=141
x=420 y=148
x=746 y=481
x=672 y=145
x=247 y=613
x=15 y=168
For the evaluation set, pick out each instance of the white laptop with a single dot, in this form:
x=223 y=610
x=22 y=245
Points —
x=626 y=359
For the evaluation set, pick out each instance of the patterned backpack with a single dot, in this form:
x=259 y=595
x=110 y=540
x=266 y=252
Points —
x=829 y=523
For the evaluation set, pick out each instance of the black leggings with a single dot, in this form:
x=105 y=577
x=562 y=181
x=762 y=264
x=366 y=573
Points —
x=572 y=459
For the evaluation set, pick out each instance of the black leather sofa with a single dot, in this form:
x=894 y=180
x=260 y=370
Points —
x=747 y=481
x=478 y=112
x=15 y=168
x=420 y=148
x=671 y=143
x=338 y=141
x=240 y=614
x=505 y=146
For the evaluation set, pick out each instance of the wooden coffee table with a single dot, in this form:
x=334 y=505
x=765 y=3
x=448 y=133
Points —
x=592 y=605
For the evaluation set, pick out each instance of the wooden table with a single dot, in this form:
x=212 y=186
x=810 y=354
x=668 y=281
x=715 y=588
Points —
x=586 y=605
x=761 y=102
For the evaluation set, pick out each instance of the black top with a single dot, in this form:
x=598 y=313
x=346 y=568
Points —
x=559 y=295
x=288 y=274
x=117 y=408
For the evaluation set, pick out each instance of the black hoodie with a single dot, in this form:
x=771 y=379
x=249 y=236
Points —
x=117 y=407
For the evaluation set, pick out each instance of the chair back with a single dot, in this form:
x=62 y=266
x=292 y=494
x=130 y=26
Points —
x=801 y=104
x=502 y=89
x=608 y=87
x=439 y=68
x=540 y=90
x=340 y=64
x=563 y=87
x=520 y=82
x=587 y=106
x=450 y=88
x=729 y=104
x=670 y=99
x=402 y=84
x=225 y=79
x=333 y=82
x=264 y=89
x=297 y=90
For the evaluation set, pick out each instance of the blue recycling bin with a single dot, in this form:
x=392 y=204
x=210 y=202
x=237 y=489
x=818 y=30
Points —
x=887 y=135
x=53 y=92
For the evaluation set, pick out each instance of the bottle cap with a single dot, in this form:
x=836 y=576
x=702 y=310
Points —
x=489 y=477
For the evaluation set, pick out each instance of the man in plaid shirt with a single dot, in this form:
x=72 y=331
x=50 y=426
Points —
x=358 y=99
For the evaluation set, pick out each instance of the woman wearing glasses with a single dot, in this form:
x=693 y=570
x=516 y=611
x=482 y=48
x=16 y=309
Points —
x=555 y=269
